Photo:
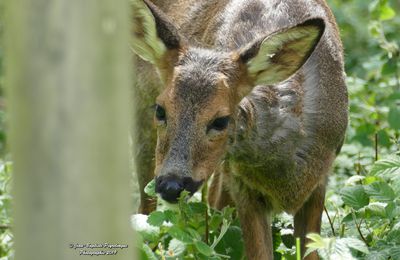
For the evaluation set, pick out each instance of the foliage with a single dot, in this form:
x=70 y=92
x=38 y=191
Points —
x=6 y=236
x=363 y=198
x=191 y=231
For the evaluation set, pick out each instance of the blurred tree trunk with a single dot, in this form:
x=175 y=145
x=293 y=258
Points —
x=68 y=77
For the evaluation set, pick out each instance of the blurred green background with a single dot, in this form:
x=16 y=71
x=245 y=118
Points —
x=370 y=32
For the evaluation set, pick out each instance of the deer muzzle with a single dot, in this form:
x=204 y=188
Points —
x=170 y=186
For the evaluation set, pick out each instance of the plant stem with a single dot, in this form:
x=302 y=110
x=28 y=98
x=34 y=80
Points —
x=358 y=228
x=330 y=221
x=298 y=253
x=204 y=200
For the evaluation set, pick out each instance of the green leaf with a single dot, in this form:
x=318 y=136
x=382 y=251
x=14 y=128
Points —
x=393 y=117
x=394 y=234
x=390 y=210
x=387 y=167
x=375 y=209
x=395 y=252
x=231 y=244
x=380 y=191
x=215 y=221
x=171 y=216
x=378 y=255
x=150 y=188
x=354 y=196
x=386 y=13
x=356 y=244
x=180 y=234
x=197 y=208
x=156 y=218
x=148 y=252
x=203 y=248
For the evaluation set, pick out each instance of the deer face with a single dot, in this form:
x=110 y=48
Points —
x=193 y=115
x=196 y=109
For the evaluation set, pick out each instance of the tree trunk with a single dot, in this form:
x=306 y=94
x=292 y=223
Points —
x=68 y=79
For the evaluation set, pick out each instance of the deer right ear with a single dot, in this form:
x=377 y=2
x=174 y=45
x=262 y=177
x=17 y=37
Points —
x=276 y=57
x=154 y=33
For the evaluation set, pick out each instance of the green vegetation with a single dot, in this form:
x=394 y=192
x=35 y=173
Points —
x=362 y=216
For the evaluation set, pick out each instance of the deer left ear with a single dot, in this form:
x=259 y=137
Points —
x=154 y=33
x=275 y=58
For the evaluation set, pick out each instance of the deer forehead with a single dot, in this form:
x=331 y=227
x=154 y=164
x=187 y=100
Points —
x=200 y=79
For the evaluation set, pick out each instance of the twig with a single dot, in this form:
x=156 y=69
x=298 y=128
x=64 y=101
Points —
x=376 y=142
x=358 y=228
x=330 y=221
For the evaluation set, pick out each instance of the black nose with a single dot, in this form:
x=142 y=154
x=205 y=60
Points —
x=171 y=186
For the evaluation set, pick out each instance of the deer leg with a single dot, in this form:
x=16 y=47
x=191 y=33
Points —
x=308 y=219
x=255 y=220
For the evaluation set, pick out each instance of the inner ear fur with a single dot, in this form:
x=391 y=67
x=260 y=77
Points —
x=276 y=57
x=156 y=39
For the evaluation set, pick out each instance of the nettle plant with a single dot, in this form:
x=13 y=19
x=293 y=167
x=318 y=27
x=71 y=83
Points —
x=192 y=230
x=365 y=221
x=189 y=231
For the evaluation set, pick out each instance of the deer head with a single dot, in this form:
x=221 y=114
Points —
x=202 y=89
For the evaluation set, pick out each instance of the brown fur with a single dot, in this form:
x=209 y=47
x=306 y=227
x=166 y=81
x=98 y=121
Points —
x=282 y=138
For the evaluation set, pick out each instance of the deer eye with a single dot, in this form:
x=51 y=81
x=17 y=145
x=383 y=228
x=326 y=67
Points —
x=160 y=113
x=219 y=124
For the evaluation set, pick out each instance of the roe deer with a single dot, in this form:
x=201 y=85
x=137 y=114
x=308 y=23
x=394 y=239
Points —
x=252 y=91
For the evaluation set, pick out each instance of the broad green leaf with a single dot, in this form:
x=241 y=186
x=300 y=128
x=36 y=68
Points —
x=386 y=13
x=387 y=167
x=150 y=188
x=203 y=248
x=231 y=244
x=156 y=218
x=390 y=210
x=215 y=221
x=354 y=196
x=356 y=244
x=180 y=234
x=378 y=255
x=380 y=191
x=394 y=234
x=395 y=252
x=393 y=117
x=194 y=233
x=317 y=241
x=350 y=217
x=375 y=209
x=148 y=252
x=197 y=208
x=340 y=250
x=171 y=216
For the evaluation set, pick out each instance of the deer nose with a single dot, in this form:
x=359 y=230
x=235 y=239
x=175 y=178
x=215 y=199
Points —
x=171 y=186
